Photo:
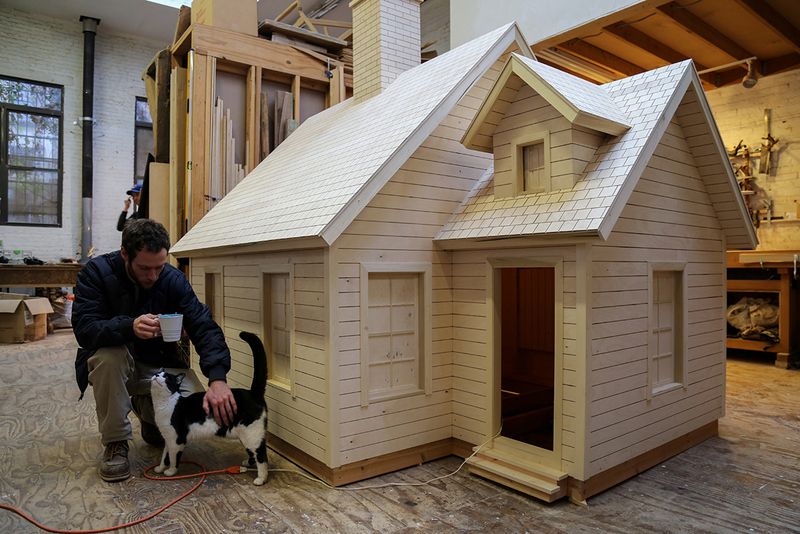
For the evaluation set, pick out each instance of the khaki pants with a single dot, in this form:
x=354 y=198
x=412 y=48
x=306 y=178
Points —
x=121 y=384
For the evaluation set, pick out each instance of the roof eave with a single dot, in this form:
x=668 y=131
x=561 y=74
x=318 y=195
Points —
x=294 y=243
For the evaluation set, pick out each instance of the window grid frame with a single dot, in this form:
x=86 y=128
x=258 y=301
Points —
x=425 y=367
x=266 y=334
x=680 y=328
x=5 y=167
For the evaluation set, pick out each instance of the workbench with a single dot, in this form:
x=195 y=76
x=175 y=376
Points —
x=48 y=275
x=774 y=274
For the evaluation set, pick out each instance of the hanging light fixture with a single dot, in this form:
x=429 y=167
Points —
x=749 y=79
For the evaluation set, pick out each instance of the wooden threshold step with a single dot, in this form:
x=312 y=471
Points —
x=517 y=478
x=515 y=459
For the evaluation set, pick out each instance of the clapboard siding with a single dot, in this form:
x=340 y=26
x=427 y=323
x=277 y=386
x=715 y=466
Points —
x=301 y=420
x=398 y=226
x=669 y=218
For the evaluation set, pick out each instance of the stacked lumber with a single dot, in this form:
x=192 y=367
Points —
x=225 y=171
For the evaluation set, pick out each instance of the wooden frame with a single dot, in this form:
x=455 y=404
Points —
x=551 y=459
x=425 y=271
x=288 y=269
x=215 y=271
x=526 y=137
x=680 y=351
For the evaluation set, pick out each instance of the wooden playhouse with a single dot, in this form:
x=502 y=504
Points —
x=483 y=250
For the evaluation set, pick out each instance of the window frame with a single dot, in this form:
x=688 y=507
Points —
x=680 y=341
x=523 y=137
x=5 y=108
x=287 y=269
x=137 y=125
x=424 y=270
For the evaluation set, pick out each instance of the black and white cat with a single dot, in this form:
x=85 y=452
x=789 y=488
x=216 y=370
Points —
x=181 y=419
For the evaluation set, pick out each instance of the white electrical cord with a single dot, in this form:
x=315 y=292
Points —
x=391 y=484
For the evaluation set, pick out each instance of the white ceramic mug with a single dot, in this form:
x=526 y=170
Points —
x=171 y=324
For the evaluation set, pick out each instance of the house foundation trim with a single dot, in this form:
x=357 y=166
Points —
x=380 y=465
x=579 y=491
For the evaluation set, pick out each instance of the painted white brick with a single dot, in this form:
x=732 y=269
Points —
x=50 y=50
x=739 y=114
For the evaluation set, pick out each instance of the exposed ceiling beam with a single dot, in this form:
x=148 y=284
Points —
x=641 y=40
x=699 y=27
x=635 y=11
x=600 y=57
x=767 y=14
x=568 y=70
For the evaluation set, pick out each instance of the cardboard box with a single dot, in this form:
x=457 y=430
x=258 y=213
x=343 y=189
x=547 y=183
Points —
x=23 y=318
x=237 y=15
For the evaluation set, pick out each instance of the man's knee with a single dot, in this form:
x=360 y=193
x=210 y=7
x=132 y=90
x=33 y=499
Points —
x=109 y=361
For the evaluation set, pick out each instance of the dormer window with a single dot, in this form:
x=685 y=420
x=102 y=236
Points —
x=534 y=179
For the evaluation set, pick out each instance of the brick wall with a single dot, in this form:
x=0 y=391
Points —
x=50 y=50
x=739 y=113
x=386 y=41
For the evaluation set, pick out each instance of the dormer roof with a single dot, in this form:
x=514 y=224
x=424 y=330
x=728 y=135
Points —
x=593 y=206
x=580 y=102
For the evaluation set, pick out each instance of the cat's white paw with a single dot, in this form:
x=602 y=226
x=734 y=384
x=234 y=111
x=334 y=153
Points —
x=171 y=471
x=259 y=481
x=160 y=468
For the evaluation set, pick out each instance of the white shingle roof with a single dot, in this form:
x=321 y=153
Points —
x=616 y=166
x=583 y=96
x=325 y=172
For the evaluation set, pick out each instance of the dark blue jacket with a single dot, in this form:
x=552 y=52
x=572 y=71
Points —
x=107 y=301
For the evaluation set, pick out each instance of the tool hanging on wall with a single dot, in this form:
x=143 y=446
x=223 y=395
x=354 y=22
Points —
x=767 y=142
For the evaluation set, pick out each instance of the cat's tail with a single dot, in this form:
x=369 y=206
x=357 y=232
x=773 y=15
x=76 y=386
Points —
x=259 y=385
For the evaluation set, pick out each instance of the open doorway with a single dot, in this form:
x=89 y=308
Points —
x=527 y=331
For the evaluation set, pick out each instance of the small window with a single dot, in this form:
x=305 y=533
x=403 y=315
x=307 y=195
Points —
x=534 y=179
x=31 y=160
x=395 y=337
x=278 y=327
x=143 y=138
x=213 y=296
x=666 y=330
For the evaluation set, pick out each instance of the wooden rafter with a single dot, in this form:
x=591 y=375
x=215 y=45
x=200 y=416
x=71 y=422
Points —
x=767 y=14
x=641 y=40
x=567 y=70
x=600 y=57
x=705 y=31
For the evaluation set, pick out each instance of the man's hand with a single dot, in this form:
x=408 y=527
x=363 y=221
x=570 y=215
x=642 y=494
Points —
x=127 y=204
x=219 y=402
x=146 y=326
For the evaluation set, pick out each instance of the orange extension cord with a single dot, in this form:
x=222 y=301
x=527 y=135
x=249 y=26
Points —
x=234 y=470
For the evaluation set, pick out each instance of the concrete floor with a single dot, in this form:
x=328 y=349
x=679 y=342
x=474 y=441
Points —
x=746 y=480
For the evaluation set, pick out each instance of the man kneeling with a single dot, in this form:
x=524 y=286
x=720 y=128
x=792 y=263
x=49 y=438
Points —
x=118 y=298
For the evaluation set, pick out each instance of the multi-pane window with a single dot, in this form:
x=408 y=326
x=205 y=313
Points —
x=394 y=330
x=395 y=345
x=278 y=327
x=666 y=329
x=143 y=139
x=534 y=176
x=31 y=162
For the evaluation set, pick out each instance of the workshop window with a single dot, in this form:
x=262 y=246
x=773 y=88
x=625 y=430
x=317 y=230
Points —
x=31 y=152
x=143 y=139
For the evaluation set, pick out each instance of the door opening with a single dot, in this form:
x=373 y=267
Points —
x=527 y=326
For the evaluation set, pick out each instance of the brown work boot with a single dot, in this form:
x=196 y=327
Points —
x=115 y=466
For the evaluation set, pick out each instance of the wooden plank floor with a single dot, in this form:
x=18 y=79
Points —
x=747 y=480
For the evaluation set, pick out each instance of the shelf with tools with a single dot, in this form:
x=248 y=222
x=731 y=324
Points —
x=772 y=275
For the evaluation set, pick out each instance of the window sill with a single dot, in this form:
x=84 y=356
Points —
x=666 y=388
x=392 y=395
x=284 y=386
